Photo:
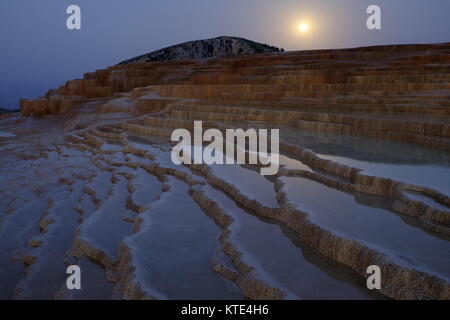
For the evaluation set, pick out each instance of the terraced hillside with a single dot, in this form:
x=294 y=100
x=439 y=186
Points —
x=364 y=180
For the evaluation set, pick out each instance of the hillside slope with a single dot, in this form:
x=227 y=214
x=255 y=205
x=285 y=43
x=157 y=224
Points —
x=200 y=49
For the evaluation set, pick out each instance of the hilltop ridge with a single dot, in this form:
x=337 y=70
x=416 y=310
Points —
x=208 y=48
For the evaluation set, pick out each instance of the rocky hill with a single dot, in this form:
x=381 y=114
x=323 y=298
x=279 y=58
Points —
x=3 y=110
x=200 y=49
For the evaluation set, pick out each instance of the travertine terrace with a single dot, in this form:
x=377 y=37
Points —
x=365 y=180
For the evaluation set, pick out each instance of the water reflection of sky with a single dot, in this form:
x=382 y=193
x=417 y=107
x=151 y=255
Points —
x=433 y=176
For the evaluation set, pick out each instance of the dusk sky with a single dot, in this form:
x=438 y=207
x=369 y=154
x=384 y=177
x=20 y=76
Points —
x=38 y=52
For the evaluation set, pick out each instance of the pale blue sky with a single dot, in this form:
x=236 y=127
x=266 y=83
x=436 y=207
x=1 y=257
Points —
x=38 y=52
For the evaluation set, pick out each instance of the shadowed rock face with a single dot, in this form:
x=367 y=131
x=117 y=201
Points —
x=2 y=110
x=201 y=49
x=364 y=143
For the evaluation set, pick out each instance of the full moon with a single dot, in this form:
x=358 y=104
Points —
x=303 y=27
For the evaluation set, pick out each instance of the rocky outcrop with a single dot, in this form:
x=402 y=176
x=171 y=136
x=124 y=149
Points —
x=201 y=49
x=3 y=110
